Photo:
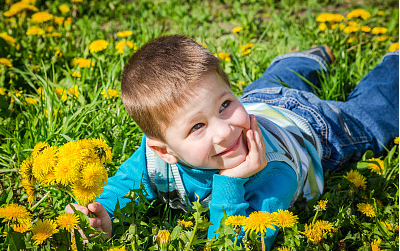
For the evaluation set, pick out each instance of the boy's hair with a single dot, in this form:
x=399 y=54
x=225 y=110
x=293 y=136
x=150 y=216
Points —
x=161 y=77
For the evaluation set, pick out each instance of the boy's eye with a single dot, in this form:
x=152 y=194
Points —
x=196 y=127
x=224 y=105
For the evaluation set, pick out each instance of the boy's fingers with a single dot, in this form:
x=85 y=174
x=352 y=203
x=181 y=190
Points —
x=98 y=209
x=68 y=208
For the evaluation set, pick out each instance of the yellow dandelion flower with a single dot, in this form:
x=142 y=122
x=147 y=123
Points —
x=6 y=62
x=350 y=29
x=316 y=232
x=34 y=30
x=3 y=91
x=259 y=222
x=110 y=93
x=323 y=225
x=82 y=62
x=382 y=38
x=285 y=249
x=377 y=166
x=32 y=101
x=359 y=13
x=55 y=34
x=44 y=162
x=67 y=221
x=237 y=29
x=396 y=140
x=27 y=184
x=375 y=245
x=322 y=204
x=98 y=45
x=202 y=44
x=163 y=238
x=380 y=13
x=102 y=150
x=246 y=52
x=125 y=33
x=43 y=230
x=366 y=209
x=64 y=8
x=39 y=147
x=117 y=249
x=323 y=17
x=9 y=39
x=284 y=218
x=93 y=175
x=41 y=17
x=224 y=56
x=322 y=26
x=23 y=227
x=61 y=93
x=235 y=220
x=85 y=195
x=388 y=225
x=120 y=46
x=74 y=91
x=58 y=20
x=14 y=212
x=185 y=223
x=356 y=178
x=246 y=46
x=76 y=74
x=26 y=168
x=18 y=7
x=379 y=30
x=77 y=1
x=365 y=28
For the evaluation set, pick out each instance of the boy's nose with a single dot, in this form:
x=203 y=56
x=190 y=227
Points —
x=222 y=131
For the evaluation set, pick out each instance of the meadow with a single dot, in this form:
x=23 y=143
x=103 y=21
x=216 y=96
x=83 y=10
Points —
x=60 y=71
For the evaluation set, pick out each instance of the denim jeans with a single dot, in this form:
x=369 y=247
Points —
x=367 y=120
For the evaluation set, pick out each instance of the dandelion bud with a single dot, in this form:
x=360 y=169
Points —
x=163 y=238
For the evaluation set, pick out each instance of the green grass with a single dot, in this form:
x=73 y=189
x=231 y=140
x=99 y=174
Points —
x=274 y=27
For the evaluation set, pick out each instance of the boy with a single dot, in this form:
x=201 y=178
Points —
x=201 y=142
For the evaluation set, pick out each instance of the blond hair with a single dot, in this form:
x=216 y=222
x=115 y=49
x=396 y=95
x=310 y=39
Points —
x=161 y=77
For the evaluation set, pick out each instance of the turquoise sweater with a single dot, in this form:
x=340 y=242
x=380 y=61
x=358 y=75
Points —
x=269 y=190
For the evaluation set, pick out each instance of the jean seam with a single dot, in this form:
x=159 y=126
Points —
x=392 y=53
x=316 y=58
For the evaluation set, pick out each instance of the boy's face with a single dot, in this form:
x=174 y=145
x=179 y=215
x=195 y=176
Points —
x=209 y=132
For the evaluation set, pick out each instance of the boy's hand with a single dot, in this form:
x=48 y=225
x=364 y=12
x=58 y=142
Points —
x=255 y=160
x=101 y=222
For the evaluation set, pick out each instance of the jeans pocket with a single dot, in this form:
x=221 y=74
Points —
x=264 y=95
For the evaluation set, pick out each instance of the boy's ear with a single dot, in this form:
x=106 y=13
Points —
x=161 y=149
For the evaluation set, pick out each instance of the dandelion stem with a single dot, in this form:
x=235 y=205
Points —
x=40 y=201
x=191 y=237
x=262 y=242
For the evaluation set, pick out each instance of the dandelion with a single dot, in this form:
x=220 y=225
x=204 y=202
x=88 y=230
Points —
x=284 y=218
x=77 y=1
x=322 y=26
x=375 y=245
x=34 y=30
x=102 y=150
x=55 y=34
x=43 y=230
x=237 y=29
x=58 y=20
x=23 y=227
x=382 y=38
x=329 y=17
x=110 y=93
x=246 y=47
x=356 y=178
x=14 y=212
x=44 y=162
x=98 y=45
x=41 y=17
x=64 y=8
x=124 y=33
x=18 y=7
x=316 y=232
x=120 y=46
x=9 y=39
x=85 y=195
x=350 y=29
x=74 y=91
x=285 y=249
x=396 y=140
x=366 y=209
x=365 y=28
x=202 y=44
x=27 y=184
x=322 y=204
x=3 y=91
x=376 y=165
x=224 y=56
x=388 y=225
x=39 y=147
x=93 y=175
x=185 y=223
x=31 y=101
x=163 y=238
x=76 y=74
x=259 y=222
x=235 y=220
x=82 y=62
x=246 y=52
x=6 y=62
x=62 y=93
x=117 y=249
x=359 y=13
x=67 y=221
x=379 y=30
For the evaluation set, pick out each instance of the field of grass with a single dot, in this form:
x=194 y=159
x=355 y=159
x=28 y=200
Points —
x=57 y=86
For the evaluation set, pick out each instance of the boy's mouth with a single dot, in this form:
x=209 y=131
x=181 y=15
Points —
x=232 y=148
